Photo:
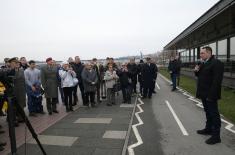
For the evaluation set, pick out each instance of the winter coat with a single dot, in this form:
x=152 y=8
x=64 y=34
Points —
x=124 y=77
x=49 y=81
x=110 y=78
x=88 y=77
x=174 y=66
x=133 y=70
x=78 y=68
x=67 y=78
x=149 y=73
x=210 y=76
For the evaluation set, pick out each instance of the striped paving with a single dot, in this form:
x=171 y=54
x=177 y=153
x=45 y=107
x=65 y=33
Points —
x=94 y=120
x=114 y=134
x=55 y=140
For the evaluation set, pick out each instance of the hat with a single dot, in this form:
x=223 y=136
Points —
x=148 y=58
x=6 y=59
x=13 y=59
x=64 y=63
x=48 y=59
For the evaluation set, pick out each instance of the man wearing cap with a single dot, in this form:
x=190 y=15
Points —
x=149 y=73
x=50 y=84
x=7 y=64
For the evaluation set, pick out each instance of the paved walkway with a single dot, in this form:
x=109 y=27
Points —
x=89 y=131
x=163 y=125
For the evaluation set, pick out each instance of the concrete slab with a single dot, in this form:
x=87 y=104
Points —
x=114 y=134
x=55 y=140
x=127 y=105
x=94 y=120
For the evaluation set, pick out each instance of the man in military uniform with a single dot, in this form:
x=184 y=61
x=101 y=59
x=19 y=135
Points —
x=50 y=84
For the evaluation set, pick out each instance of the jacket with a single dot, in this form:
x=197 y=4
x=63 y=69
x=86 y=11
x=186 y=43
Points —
x=209 y=79
x=67 y=78
x=110 y=78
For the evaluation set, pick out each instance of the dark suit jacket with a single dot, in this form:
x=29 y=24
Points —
x=210 y=78
x=149 y=74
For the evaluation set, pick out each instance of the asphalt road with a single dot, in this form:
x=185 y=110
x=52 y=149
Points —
x=170 y=121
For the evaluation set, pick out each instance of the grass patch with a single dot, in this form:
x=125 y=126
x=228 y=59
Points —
x=226 y=104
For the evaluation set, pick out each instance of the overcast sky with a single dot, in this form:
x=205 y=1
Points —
x=38 y=29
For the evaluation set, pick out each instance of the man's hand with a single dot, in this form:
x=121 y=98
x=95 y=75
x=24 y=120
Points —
x=196 y=68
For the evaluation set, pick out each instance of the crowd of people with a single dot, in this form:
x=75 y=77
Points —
x=96 y=81
x=103 y=80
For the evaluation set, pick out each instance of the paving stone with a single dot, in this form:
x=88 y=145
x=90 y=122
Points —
x=99 y=143
x=127 y=105
x=115 y=134
x=55 y=140
x=94 y=120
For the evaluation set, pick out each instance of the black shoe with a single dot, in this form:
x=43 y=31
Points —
x=21 y=120
x=113 y=103
x=3 y=143
x=31 y=114
x=150 y=97
x=75 y=103
x=71 y=108
x=124 y=101
x=154 y=92
x=93 y=105
x=108 y=104
x=42 y=112
x=143 y=97
x=16 y=124
x=173 y=89
x=204 y=132
x=103 y=97
x=55 y=111
x=50 y=113
x=1 y=148
x=213 y=140
x=1 y=131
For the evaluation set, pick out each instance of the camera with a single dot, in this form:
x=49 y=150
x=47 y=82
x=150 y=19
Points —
x=7 y=79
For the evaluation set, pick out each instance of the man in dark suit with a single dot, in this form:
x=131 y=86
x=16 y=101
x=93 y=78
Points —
x=174 y=69
x=133 y=70
x=210 y=76
x=97 y=70
x=148 y=77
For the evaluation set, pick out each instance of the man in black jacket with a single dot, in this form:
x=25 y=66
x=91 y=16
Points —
x=210 y=76
x=97 y=70
x=174 y=69
x=133 y=70
x=125 y=81
x=149 y=73
x=78 y=68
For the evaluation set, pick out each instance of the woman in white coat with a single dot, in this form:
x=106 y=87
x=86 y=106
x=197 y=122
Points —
x=68 y=81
